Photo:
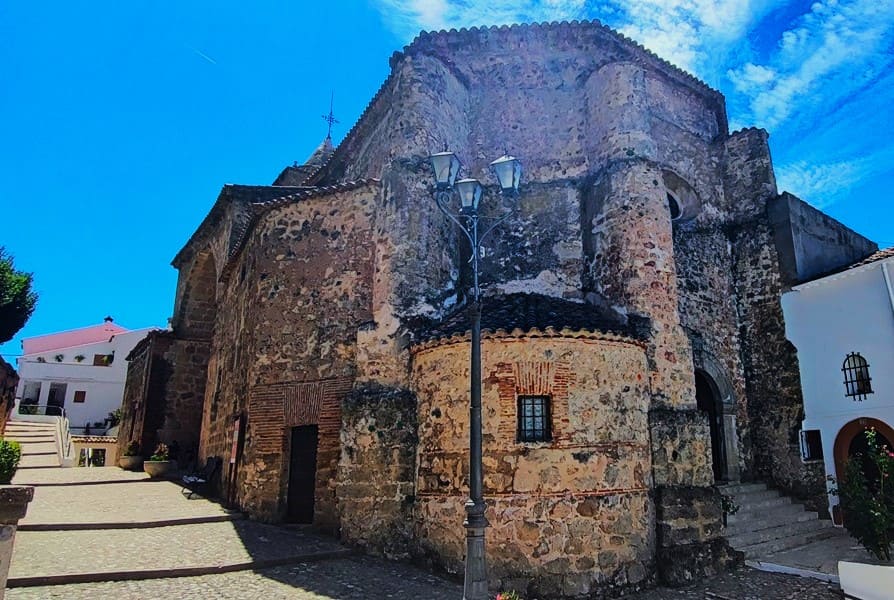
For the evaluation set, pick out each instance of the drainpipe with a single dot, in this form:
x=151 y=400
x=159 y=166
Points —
x=888 y=284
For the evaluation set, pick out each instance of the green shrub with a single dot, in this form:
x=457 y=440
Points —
x=866 y=493
x=10 y=455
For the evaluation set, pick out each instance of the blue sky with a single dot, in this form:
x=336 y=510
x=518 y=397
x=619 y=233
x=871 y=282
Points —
x=120 y=121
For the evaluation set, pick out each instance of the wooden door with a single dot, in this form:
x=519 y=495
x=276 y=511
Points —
x=302 y=474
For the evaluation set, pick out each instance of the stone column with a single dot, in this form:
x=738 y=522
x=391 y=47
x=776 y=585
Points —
x=628 y=238
x=14 y=501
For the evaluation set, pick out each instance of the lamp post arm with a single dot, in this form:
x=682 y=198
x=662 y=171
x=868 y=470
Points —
x=494 y=225
x=439 y=200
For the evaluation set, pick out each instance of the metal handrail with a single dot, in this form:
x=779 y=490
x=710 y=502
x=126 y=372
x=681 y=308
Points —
x=63 y=425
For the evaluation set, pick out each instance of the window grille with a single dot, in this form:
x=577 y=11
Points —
x=534 y=419
x=857 y=382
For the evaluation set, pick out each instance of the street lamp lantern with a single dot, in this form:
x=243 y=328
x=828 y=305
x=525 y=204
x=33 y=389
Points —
x=446 y=167
x=469 y=191
x=508 y=171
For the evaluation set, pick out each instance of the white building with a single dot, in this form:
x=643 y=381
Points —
x=81 y=371
x=843 y=327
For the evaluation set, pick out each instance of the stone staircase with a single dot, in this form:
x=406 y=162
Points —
x=767 y=522
x=40 y=448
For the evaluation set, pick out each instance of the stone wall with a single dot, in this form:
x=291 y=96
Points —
x=770 y=363
x=567 y=516
x=376 y=481
x=163 y=395
x=284 y=351
x=9 y=379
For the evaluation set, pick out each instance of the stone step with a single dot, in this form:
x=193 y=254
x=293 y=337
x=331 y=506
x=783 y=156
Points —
x=30 y=439
x=28 y=425
x=747 y=522
x=762 y=549
x=775 y=533
x=732 y=489
x=762 y=505
x=753 y=497
x=39 y=461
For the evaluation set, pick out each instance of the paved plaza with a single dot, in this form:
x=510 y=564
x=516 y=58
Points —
x=108 y=533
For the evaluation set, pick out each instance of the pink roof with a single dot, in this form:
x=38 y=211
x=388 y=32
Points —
x=74 y=337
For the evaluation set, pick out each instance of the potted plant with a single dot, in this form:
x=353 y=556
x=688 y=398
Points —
x=10 y=455
x=160 y=463
x=130 y=459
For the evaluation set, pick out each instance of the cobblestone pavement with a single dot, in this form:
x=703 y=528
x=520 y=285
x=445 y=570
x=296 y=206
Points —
x=75 y=475
x=747 y=584
x=139 y=501
x=364 y=578
x=42 y=553
x=211 y=544
x=355 y=578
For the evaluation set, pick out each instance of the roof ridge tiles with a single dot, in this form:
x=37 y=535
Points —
x=522 y=27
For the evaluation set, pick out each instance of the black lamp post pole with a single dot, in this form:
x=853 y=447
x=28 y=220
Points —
x=475 y=586
x=508 y=169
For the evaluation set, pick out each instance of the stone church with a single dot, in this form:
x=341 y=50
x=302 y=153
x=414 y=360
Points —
x=320 y=340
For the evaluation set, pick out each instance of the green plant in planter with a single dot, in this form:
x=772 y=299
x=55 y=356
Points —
x=80 y=357
x=10 y=455
x=866 y=493
x=132 y=449
x=59 y=357
x=161 y=453
x=510 y=595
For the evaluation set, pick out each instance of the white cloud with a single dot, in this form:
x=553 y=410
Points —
x=689 y=33
x=812 y=79
x=835 y=48
x=820 y=184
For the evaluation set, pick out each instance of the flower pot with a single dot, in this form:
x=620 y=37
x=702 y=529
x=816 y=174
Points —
x=159 y=468
x=130 y=463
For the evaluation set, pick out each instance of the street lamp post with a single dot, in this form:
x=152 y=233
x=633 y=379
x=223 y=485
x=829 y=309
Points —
x=446 y=166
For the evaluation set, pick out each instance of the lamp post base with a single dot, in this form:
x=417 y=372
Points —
x=475 y=585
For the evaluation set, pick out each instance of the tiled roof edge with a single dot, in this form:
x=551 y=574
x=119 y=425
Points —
x=535 y=332
x=521 y=27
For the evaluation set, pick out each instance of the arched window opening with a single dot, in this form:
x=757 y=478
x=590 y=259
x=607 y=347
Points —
x=674 y=207
x=857 y=382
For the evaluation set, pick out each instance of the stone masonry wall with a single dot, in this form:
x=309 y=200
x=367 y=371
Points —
x=376 y=485
x=285 y=341
x=775 y=406
x=568 y=516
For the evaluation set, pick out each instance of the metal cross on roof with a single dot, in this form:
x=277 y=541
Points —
x=331 y=120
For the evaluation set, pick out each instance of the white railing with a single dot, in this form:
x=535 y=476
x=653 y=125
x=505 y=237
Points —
x=50 y=413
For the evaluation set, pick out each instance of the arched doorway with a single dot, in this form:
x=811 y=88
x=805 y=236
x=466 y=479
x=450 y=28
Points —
x=851 y=440
x=708 y=399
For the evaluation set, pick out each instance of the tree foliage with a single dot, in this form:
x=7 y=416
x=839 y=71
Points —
x=17 y=299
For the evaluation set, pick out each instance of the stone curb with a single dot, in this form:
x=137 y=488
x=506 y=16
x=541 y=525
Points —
x=129 y=524
x=786 y=570
x=41 y=580
x=77 y=483
x=27 y=467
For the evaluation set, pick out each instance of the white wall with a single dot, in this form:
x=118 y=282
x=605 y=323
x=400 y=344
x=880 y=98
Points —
x=104 y=385
x=826 y=320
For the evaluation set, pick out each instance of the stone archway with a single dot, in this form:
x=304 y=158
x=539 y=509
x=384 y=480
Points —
x=197 y=304
x=846 y=440
x=708 y=400
x=724 y=430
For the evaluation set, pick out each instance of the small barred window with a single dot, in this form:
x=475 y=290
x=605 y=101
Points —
x=857 y=382
x=534 y=419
